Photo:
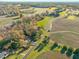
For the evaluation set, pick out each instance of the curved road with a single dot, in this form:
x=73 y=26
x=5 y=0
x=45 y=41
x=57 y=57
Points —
x=73 y=32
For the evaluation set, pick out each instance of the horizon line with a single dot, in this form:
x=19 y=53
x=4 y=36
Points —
x=40 y=1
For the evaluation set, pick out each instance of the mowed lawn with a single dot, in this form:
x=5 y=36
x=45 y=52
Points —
x=16 y=56
x=13 y=56
x=43 y=22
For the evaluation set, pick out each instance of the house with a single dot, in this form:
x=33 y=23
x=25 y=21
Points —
x=3 y=54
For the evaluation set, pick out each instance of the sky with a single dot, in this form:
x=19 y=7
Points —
x=40 y=0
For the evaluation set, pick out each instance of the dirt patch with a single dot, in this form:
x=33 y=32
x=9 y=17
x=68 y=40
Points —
x=52 y=55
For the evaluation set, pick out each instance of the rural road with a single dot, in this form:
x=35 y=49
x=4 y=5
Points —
x=64 y=32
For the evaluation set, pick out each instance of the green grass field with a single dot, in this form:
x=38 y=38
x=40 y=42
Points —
x=43 y=22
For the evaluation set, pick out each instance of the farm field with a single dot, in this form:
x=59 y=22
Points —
x=66 y=32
